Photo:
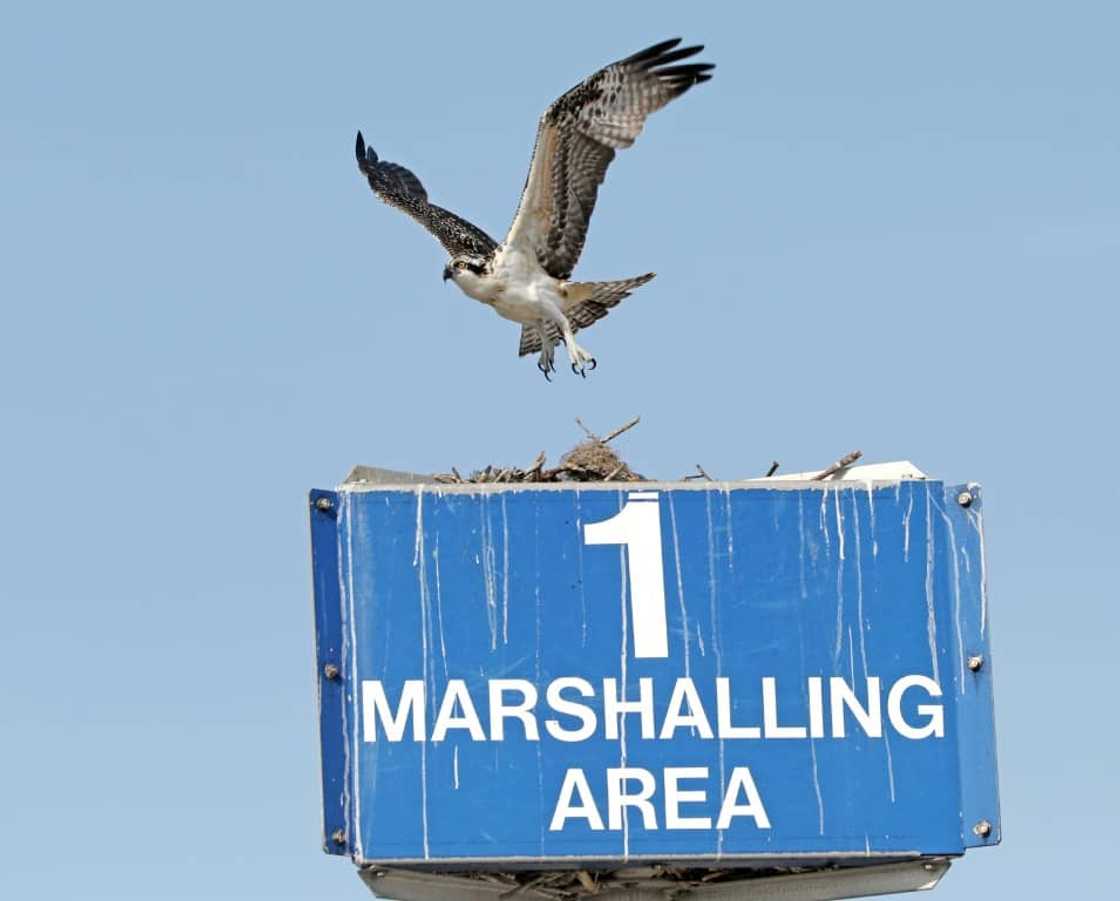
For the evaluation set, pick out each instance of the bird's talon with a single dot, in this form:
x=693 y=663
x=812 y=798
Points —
x=594 y=365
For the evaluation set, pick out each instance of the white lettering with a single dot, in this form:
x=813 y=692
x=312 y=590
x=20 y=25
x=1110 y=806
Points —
x=638 y=527
x=618 y=797
x=633 y=787
x=500 y=711
x=741 y=779
x=683 y=691
x=675 y=796
x=615 y=707
x=723 y=713
x=375 y=705
x=841 y=695
x=570 y=708
x=575 y=782
x=816 y=708
x=770 y=712
x=575 y=713
x=935 y=725
x=446 y=719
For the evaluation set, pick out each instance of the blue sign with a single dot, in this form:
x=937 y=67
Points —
x=672 y=672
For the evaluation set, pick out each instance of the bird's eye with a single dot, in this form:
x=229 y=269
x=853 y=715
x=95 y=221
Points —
x=459 y=264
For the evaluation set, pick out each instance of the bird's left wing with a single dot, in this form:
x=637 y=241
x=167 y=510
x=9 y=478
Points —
x=400 y=188
x=576 y=141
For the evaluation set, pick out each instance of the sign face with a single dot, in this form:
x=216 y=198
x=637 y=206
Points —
x=669 y=672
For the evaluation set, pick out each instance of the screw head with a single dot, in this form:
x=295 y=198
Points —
x=964 y=498
x=324 y=504
x=330 y=671
x=339 y=836
x=975 y=663
x=982 y=829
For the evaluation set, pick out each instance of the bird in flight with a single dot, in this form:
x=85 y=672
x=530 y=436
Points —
x=526 y=278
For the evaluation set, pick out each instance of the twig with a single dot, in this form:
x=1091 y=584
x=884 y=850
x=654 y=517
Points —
x=590 y=434
x=700 y=469
x=843 y=463
x=773 y=469
x=615 y=471
x=538 y=464
x=524 y=887
x=633 y=422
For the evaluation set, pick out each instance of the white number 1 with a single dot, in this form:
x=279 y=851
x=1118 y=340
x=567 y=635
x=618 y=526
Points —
x=638 y=526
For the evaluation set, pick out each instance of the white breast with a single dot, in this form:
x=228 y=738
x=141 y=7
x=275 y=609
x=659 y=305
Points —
x=518 y=288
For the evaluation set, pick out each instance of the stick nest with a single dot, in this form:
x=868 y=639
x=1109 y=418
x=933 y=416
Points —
x=592 y=460
x=595 y=460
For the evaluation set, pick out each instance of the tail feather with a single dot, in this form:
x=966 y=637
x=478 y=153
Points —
x=585 y=304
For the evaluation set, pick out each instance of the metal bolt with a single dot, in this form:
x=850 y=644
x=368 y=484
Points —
x=324 y=504
x=330 y=671
x=975 y=662
x=964 y=498
x=339 y=836
x=982 y=829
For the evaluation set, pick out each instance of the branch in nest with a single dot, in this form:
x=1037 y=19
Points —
x=611 y=435
x=590 y=434
x=773 y=469
x=625 y=428
x=534 y=471
x=841 y=464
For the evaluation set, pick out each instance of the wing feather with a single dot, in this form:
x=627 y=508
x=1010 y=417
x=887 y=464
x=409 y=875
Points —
x=399 y=188
x=576 y=140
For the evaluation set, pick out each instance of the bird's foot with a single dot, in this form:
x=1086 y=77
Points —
x=547 y=364
x=582 y=361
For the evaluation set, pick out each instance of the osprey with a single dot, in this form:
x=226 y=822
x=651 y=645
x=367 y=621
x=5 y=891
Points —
x=526 y=277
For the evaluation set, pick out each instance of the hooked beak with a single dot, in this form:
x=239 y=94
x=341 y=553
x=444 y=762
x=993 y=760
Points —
x=446 y=272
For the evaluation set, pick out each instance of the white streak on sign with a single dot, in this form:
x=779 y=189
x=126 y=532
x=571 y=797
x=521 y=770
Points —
x=680 y=586
x=931 y=616
x=421 y=564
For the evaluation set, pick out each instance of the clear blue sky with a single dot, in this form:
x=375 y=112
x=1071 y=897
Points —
x=886 y=226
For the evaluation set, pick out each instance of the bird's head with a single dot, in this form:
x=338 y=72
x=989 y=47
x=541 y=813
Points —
x=465 y=270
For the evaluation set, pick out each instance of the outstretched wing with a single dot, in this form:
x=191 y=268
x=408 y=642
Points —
x=576 y=141
x=400 y=188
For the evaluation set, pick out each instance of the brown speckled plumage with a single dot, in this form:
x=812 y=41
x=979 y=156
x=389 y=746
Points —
x=400 y=188
x=577 y=139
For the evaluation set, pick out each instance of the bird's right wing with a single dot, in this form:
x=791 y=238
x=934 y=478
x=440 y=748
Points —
x=576 y=140
x=400 y=188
